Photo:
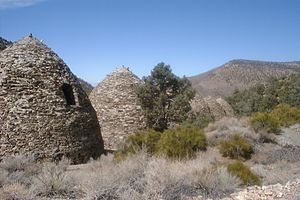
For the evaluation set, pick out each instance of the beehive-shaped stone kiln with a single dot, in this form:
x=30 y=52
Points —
x=211 y=106
x=43 y=109
x=115 y=101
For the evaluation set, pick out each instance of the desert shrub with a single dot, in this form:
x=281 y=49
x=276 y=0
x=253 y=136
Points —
x=265 y=137
x=15 y=191
x=288 y=153
x=226 y=127
x=217 y=181
x=146 y=141
x=106 y=179
x=236 y=148
x=172 y=179
x=141 y=176
x=289 y=136
x=265 y=122
x=181 y=142
x=17 y=162
x=19 y=168
x=3 y=177
x=237 y=168
x=286 y=114
x=278 y=172
x=53 y=180
x=199 y=121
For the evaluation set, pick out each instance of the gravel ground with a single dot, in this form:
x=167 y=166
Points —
x=289 y=191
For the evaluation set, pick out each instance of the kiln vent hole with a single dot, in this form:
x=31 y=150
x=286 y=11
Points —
x=69 y=95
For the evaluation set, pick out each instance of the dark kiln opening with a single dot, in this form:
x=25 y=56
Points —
x=69 y=95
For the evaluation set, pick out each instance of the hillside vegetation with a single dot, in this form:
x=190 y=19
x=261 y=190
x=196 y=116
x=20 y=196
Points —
x=264 y=97
x=240 y=75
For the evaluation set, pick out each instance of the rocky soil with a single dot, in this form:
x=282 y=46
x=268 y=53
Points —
x=289 y=191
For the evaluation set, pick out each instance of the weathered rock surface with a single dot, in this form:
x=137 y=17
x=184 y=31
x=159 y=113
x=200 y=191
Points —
x=43 y=109
x=215 y=107
x=115 y=101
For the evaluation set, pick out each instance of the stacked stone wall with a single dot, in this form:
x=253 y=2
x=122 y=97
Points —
x=211 y=106
x=34 y=114
x=115 y=101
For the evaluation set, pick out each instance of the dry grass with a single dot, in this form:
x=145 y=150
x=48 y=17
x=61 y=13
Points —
x=144 y=177
x=217 y=182
x=226 y=127
x=15 y=163
x=21 y=177
x=290 y=154
x=279 y=172
x=18 y=169
x=53 y=180
x=3 y=177
x=289 y=136
x=106 y=179
x=15 y=191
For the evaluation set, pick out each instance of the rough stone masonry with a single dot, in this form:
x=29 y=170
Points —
x=43 y=109
x=211 y=106
x=116 y=103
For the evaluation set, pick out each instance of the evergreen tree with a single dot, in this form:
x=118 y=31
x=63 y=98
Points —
x=164 y=97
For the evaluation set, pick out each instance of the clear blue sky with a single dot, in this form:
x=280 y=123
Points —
x=96 y=36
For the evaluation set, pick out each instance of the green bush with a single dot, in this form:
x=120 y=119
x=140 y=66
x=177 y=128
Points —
x=286 y=114
x=237 y=168
x=265 y=122
x=264 y=97
x=200 y=121
x=182 y=142
x=236 y=148
x=147 y=139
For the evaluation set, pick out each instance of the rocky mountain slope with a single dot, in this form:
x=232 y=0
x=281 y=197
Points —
x=240 y=74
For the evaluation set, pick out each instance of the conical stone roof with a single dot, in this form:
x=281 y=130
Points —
x=116 y=104
x=43 y=109
x=211 y=106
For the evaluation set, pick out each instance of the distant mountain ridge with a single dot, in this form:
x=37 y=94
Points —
x=240 y=74
x=4 y=43
x=87 y=87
